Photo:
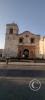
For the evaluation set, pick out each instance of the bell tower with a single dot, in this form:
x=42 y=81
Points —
x=11 y=39
x=12 y=29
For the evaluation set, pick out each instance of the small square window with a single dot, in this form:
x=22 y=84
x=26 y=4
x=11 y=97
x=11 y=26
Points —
x=27 y=35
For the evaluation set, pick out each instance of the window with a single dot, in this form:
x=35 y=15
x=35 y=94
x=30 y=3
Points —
x=20 y=40
x=32 y=40
x=27 y=35
x=11 y=31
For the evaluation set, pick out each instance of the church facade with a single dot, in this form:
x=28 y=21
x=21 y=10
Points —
x=26 y=44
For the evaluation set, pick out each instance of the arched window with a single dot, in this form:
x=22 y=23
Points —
x=11 y=31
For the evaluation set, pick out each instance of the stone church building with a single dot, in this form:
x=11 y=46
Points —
x=24 y=44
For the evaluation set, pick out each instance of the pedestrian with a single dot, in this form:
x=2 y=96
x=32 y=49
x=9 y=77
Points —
x=7 y=60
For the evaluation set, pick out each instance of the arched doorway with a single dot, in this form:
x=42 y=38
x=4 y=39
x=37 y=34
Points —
x=26 y=53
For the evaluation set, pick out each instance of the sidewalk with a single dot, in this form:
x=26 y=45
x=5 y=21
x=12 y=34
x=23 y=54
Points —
x=22 y=65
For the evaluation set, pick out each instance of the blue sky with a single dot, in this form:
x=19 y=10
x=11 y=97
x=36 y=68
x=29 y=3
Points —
x=28 y=14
